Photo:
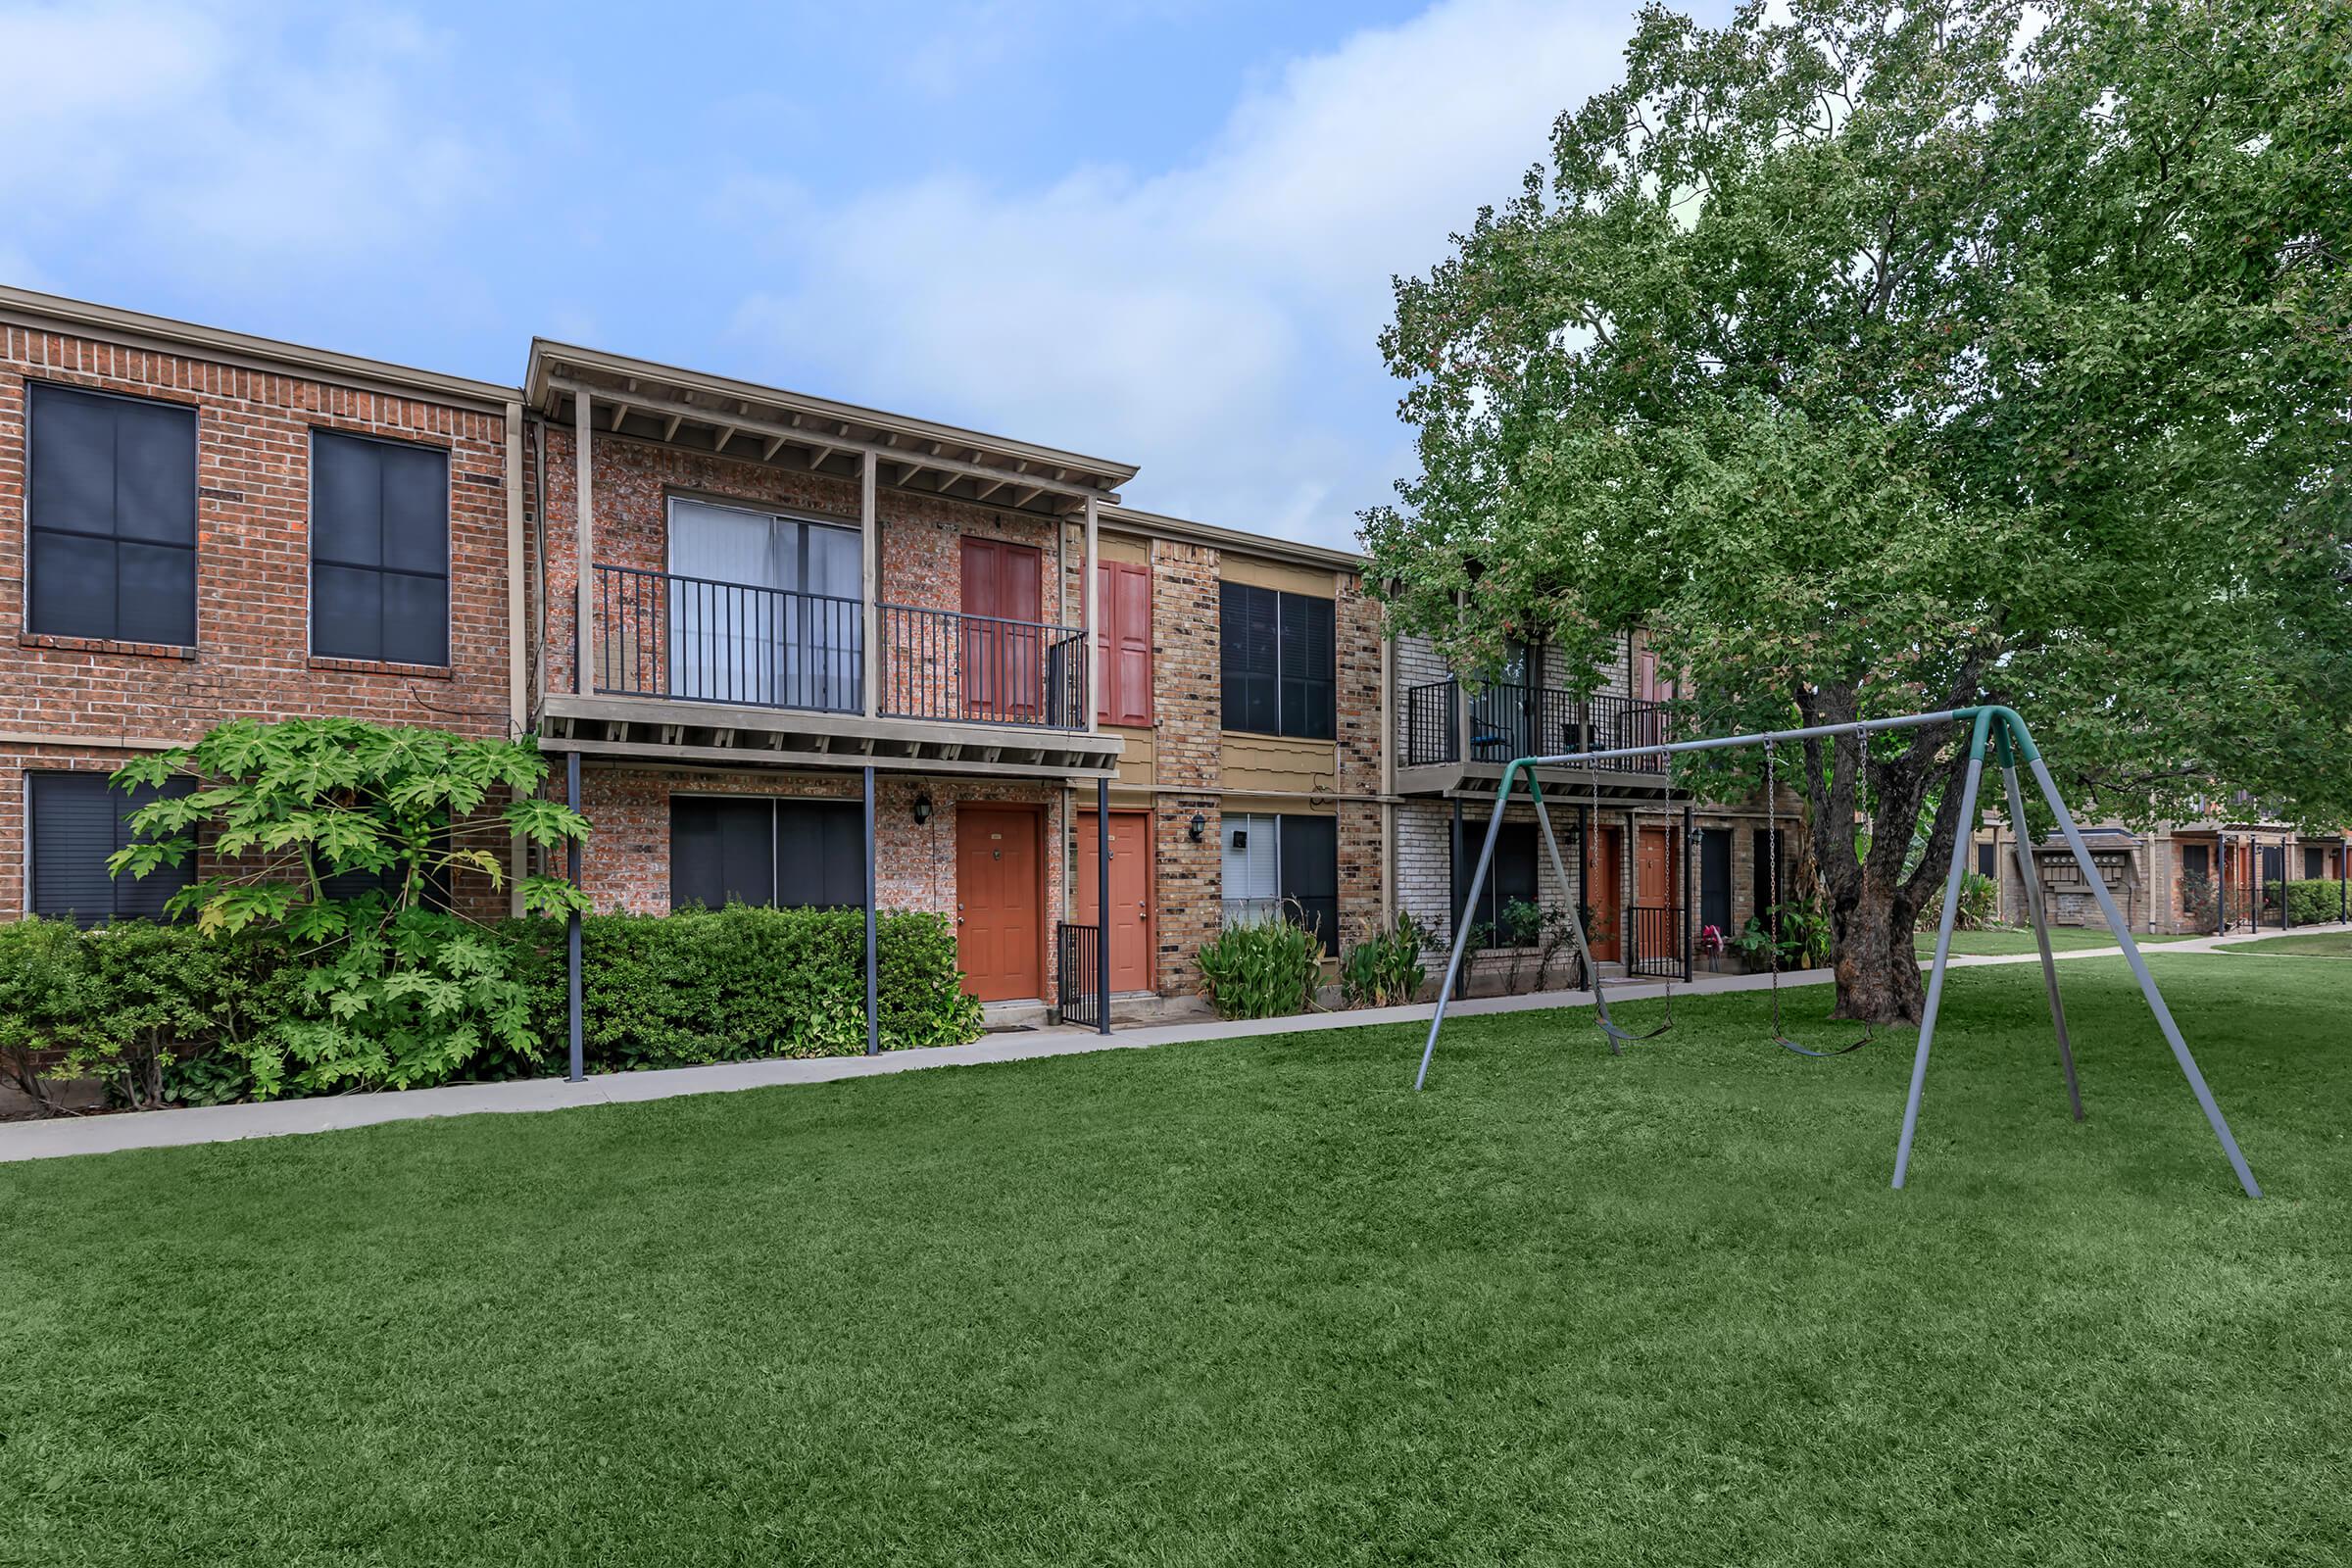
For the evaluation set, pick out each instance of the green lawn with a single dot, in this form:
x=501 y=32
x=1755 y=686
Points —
x=2062 y=939
x=1242 y=1302
x=2308 y=945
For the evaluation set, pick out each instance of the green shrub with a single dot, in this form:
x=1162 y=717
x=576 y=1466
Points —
x=743 y=983
x=47 y=994
x=395 y=991
x=158 y=1014
x=1980 y=904
x=2315 y=903
x=1384 y=969
x=168 y=996
x=1265 y=969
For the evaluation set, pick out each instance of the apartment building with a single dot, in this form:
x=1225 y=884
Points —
x=202 y=525
x=1656 y=865
x=781 y=649
x=2213 y=873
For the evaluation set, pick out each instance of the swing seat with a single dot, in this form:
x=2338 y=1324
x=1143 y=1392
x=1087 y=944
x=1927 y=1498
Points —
x=1616 y=1032
x=1786 y=1044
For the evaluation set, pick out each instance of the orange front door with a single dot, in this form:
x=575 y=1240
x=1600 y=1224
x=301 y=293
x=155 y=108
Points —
x=1000 y=933
x=1653 y=868
x=1130 y=894
x=1606 y=882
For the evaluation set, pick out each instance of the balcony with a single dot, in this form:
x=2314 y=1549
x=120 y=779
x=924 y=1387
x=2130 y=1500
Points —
x=700 y=669
x=1506 y=721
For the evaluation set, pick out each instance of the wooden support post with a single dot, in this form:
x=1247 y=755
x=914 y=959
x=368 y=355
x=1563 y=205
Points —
x=869 y=586
x=583 y=634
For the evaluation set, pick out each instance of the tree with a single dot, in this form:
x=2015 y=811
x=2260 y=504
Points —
x=399 y=987
x=1887 y=358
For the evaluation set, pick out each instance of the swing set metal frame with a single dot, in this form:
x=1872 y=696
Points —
x=1992 y=728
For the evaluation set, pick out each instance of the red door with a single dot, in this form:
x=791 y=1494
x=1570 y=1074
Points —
x=1130 y=894
x=1000 y=937
x=1606 y=882
x=1003 y=651
x=1656 y=889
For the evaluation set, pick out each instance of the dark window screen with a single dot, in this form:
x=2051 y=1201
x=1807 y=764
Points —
x=2315 y=864
x=1310 y=873
x=379 y=550
x=792 y=854
x=1247 y=667
x=78 y=821
x=1514 y=877
x=1277 y=662
x=113 y=517
x=1715 y=880
x=2195 y=861
x=1987 y=857
x=1306 y=661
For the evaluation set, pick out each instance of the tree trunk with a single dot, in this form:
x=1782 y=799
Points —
x=1873 y=906
x=1878 y=973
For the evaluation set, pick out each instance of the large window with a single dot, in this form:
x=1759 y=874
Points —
x=1123 y=650
x=764 y=609
x=78 y=821
x=1272 y=859
x=113 y=517
x=379 y=550
x=1512 y=879
x=1276 y=661
x=750 y=850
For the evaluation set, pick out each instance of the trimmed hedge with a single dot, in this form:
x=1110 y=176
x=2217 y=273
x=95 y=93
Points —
x=162 y=1014
x=742 y=983
x=2315 y=903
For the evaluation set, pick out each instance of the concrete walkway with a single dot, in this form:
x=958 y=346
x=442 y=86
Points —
x=209 y=1124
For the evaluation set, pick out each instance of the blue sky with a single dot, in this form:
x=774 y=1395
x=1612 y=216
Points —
x=1157 y=230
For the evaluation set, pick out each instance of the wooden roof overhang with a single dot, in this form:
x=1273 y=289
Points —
x=712 y=414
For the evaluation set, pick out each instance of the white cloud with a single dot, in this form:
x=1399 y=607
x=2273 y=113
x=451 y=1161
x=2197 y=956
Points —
x=1216 y=321
x=231 y=138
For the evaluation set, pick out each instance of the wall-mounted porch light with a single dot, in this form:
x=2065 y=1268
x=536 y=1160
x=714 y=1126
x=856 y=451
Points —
x=1198 y=827
x=922 y=809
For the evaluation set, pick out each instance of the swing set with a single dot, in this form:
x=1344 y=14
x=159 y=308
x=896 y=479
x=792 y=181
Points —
x=1990 y=727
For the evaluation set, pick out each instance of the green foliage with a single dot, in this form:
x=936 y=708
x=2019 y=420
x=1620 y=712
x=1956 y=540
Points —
x=2312 y=902
x=289 y=805
x=742 y=983
x=1980 y=904
x=1385 y=968
x=1807 y=938
x=1878 y=356
x=46 y=997
x=136 y=1006
x=395 y=992
x=170 y=1014
x=1263 y=970
x=167 y=994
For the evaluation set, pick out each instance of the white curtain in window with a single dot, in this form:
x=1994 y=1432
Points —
x=769 y=615
x=1252 y=866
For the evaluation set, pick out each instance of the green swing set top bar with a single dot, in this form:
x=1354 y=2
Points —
x=1989 y=724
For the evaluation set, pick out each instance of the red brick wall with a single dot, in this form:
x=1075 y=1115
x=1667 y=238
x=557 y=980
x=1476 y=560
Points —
x=252 y=656
x=627 y=865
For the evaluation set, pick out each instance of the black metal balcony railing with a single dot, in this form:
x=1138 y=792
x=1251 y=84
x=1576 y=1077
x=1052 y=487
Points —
x=696 y=639
x=1077 y=980
x=1657 y=941
x=939 y=664
x=1508 y=720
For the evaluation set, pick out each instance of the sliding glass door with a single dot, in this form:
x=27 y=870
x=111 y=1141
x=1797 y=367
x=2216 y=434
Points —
x=764 y=609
